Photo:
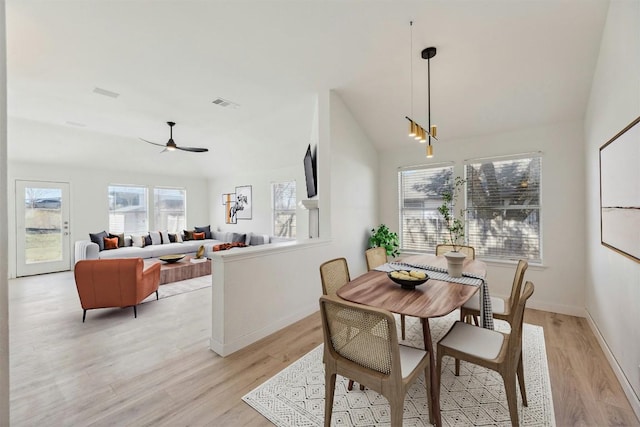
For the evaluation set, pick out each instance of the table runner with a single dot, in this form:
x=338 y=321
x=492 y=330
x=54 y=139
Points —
x=486 y=313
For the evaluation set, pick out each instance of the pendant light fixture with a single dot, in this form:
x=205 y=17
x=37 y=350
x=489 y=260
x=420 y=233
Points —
x=415 y=130
x=427 y=54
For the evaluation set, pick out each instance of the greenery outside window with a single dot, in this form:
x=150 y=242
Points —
x=422 y=227
x=284 y=208
x=128 y=209
x=503 y=208
x=170 y=209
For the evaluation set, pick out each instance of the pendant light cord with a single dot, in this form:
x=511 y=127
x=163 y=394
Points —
x=429 y=97
x=411 y=61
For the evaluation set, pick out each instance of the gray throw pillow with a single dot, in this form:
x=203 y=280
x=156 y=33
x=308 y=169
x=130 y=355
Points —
x=206 y=230
x=237 y=237
x=98 y=238
x=256 y=240
x=218 y=235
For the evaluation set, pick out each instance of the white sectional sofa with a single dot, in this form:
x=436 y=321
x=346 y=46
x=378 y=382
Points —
x=86 y=249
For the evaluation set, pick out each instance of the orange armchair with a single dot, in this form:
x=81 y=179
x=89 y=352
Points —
x=120 y=282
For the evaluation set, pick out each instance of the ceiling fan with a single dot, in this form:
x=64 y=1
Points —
x=171 y=145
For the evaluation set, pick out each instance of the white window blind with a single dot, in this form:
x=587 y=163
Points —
x=503 y=208
x=128 y=209
x=170 y=209
x=421 y=225
x=284 y=208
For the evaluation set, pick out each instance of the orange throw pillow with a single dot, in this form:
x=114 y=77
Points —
x=198 y=236
x=111 y=243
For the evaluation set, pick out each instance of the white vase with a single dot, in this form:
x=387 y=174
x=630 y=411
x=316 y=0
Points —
x=454 y=263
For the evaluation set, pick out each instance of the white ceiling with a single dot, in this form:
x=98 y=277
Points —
x=501 y=65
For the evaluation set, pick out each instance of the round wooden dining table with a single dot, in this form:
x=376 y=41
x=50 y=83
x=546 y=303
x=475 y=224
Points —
x=435 y=298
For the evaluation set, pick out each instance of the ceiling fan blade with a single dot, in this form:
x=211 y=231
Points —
x=193 y=149
x=154 y=143
x=171 y=145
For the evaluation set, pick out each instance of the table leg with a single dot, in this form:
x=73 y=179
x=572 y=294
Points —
x=435 y=396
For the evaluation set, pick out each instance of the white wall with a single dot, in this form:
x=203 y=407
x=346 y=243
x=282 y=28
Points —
x=89 y=202
x=612 y=280
x=560 y=281
x=4 y=231
x=354 y=183
x=260 y=290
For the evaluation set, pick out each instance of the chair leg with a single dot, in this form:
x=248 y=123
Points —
x=397 y=410
x=329 y=389
x=157 y=296
x=84 y=315
x=457 y=367
x=523 y=391
x=135 y=311
x=475 y=320
x=512 y=398
x=402 y=325
x=350 y=386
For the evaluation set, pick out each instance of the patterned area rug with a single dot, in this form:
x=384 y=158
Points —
x=295 y=396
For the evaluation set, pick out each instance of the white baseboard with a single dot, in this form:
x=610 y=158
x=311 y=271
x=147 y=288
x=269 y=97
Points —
x=634 y=401
x=226 y=348
x=558 y=308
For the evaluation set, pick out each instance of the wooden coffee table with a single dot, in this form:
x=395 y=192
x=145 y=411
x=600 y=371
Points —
x=181 y=270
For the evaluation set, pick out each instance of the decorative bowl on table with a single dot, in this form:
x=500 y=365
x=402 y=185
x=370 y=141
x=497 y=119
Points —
x=408 y=279
x=170 y=259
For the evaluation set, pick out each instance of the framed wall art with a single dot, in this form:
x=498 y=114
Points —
x=230 y=213
x=620 y=192
x=243 y=202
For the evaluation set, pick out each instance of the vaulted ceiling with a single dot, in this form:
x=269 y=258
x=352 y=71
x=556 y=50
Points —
x=501 y=65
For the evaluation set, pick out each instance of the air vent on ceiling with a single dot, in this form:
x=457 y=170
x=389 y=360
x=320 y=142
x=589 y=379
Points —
x=76 y=124
x=225 y=103
x=105 y=92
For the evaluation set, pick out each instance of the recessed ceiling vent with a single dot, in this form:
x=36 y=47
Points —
x=105 y=92
x=225 y=103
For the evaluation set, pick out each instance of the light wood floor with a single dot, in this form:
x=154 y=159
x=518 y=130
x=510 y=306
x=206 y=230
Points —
x=157 y=369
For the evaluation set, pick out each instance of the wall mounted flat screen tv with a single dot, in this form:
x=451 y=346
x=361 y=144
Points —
x=310 y=173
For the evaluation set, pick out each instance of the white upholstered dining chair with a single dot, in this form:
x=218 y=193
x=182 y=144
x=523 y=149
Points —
x=493 y=350
x=501 y=307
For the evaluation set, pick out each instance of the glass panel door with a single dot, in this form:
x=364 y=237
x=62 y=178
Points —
x=42 y=218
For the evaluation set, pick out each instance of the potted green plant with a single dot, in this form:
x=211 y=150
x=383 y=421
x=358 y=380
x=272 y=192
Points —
x=454 y=225
x=383 y=237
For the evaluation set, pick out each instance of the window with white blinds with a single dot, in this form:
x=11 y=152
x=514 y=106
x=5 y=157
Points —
x=284 y=208
x=128 y=209
x=170 y=209
x=421 y=225
x=503 y=208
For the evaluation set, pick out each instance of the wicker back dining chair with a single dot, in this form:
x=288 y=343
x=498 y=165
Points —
x=493 y=350
x=469 y=251
x=375 y=257
x=361 y=342
x=501 y=307
x=334 y=274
